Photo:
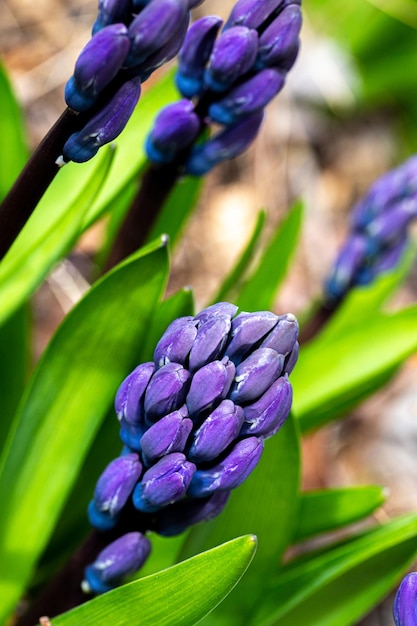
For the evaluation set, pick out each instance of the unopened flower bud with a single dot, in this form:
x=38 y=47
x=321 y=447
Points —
x=252 y=13
x=169 y=434
x=112 y=12
x=291 y=359
x=164 y=483
x=247 y=330
x=255 y=374
x=131 y=393
x=266 y=416
x=405 y=603
x=279 y=43
x=233 y=54
x=209 y=385
x=348 y=262
x=166 y=390
x=283 y=336
x=212 y=335
x=216 y=433
x=175 y=128
x=176 y=342
x=220 y=308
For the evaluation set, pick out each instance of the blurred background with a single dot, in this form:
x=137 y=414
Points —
x=347 y=114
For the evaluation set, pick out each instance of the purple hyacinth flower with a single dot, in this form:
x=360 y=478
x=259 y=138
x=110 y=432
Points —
x=166 y=391
x=348 y=262
x=154 y=27
x=291 y=360
x=194 y=55
x=176 y=342
x=209 y=386
x=226 y=145
x=220 y=308
x=252 y=13
x=279 y=43
x=283 y=336
x=129 y=398
x=216 y=433
x=266 y=416
x=105 y=126
x=405 y=603
x=233 y=55
x=169 y=434
x=131 y=434
x=247 y=98
x=176 y=518
x=247 y=330
x=176 y=127
x=112 y=12
x=97 y=65
x=164 y=483
x=255 y=374
x=230 y=472
x=122 y=557
x=212 y=335
x=389 y=225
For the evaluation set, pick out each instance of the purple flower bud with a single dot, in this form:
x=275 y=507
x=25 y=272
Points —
x=113 y=490
x=266 y=416
x=220 y=308
x=130 y=395
x=212 y=335
x=283 y=336
x=169 y=434
x=279 y=43
x=122 y=557
x=176 y=342
x=97 y=65
x=405 y=603
x=176 y=127
x=105 y=126
x=226 y=145
x=154 y=27
x=112 y=12
x=291 y=359
x=164 y=483
x=233 y=54
x=194 y=55
x=209 y=386
x=247 y=98
x=255 y=374
x=247 y=330
x=216 y=433
x=230 y=472
x=349 y=260
x=176 y=518
x=131 y=434
x=252 y=13
x=388 y=226
x=166 y=391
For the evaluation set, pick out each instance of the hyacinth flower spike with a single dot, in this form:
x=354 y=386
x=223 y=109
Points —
x=405 y=603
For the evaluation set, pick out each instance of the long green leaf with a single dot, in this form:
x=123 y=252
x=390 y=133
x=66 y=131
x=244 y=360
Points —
x=179 y=596
x=259 y=291
x=338 y=587
x=329 y=509
x=265 y=505
x=69 y=395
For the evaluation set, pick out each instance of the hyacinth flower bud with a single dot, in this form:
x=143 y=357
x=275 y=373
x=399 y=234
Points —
x=252 y=13
x=212 y=335
x=113 y=490
x=255 y=374
x=130 y=395
x=209 y=386
x=153 y=27
x=176 y=127
x=279 y=43
x=105 y=126
x=405 y=603
x=122 y=557
x=194 y=55
x=169 y=434
x=248 y=97
x=97 y=65
x=176 y=342
x=176 y=518
x=220 y=308
x=266 y=416
x=283 y=337
x=347 y=263
x=291 y=360
x=226 y=145
x=393 y=222
x=233 y=54
x=112 y=12
x=166 y=391
x=230 y=472
x=164 y=483
x=216 y=433
x=247 y=330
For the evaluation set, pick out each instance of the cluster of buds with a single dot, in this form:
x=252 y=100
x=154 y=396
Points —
x=130 y=39
x=379 y=231
x=227 y=80
x=405 y=603
x=193 y=422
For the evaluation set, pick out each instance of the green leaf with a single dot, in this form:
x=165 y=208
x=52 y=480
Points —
x=265 y=505
x=329 y=509
x=332 y=376
x=13 y=147
x=71 y=391
x=179 y=596
x=28 y=261
x=233 y=282
x=339 y=586
x=258 y=292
